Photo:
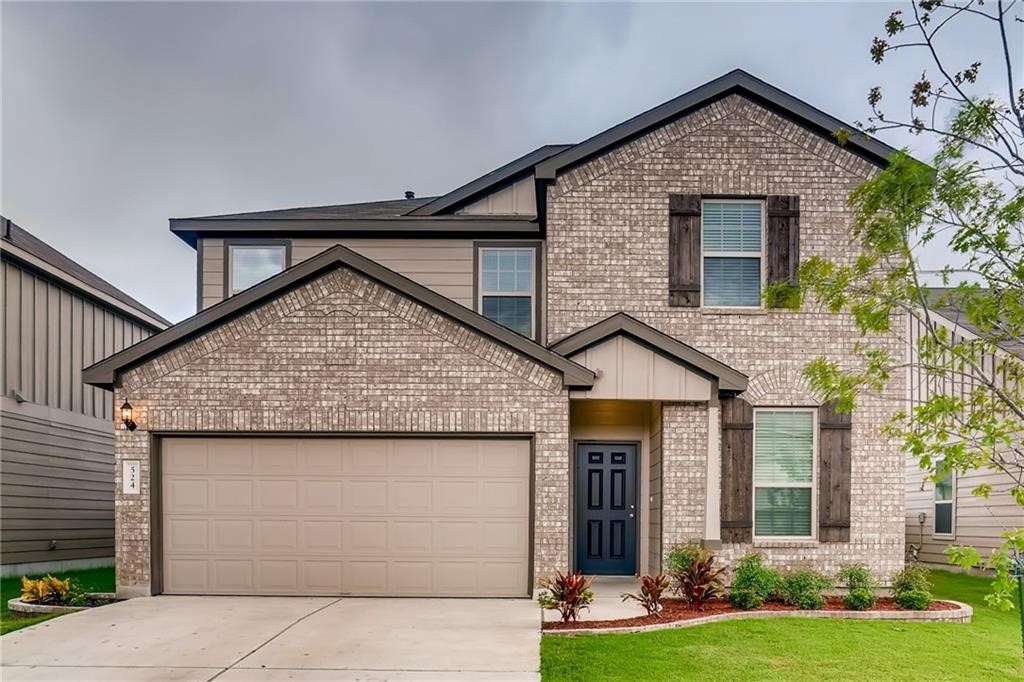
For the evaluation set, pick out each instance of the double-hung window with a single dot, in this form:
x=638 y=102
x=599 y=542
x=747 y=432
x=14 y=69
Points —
x=731 y=235
x=784 y=472
x=250 y=264
x=945 y=492
x=507 y=287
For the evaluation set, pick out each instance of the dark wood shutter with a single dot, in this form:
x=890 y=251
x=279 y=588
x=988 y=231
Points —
x=835 y=448
x=684 y=250
x=737 y=470
x=782 y=239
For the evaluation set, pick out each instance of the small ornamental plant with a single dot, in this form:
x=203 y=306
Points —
x=861 y=584
x=753 y=583
x=803 y=589
x=51 y=591
x=567 y=593
x=650 y=595
x=701 y=582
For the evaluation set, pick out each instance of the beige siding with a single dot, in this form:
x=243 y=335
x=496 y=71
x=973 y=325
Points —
x=519 y=198
x=50 y=333
x=627 y=370
x=56 y=484
x=654 y=473
x=976 y=521
x=446 y=266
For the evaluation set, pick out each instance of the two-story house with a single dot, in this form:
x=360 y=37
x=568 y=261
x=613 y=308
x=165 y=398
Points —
x=563 y=364
x=56 y=433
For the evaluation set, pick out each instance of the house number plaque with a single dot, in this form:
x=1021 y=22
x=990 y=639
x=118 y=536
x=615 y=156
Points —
x=130 y=477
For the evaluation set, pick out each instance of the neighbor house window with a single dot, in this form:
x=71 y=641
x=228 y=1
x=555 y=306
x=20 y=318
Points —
x=508 y=287
x=731 y=238
x=784 y=447
x=945 y=492
x=250 y=264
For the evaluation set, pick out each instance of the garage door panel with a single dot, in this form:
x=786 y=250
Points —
x=410 y=497
x=346 y=516
x=231 y=495
x=230 y=457
x=365 y=497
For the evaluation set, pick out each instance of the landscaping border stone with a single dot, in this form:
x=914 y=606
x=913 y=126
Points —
x=17 y=606
x=963 y=614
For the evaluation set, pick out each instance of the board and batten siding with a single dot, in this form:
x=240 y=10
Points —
x=56 y=439
x=976 y=521
x=444 y=265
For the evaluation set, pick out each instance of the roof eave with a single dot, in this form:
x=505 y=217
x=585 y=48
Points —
x=190 y=230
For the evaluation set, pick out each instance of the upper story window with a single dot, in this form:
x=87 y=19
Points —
x=508 y=287
x=732 y=253
x=784 y=472
x=945 y=493
x=250 y=264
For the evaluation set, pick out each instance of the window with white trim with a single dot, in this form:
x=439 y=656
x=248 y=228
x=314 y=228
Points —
x=945 y=498
x=507 y=287
x=250 y=264
x=732 y=243
x=785 y=445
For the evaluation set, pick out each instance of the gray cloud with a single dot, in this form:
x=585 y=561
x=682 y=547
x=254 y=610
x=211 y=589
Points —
x=118 y=116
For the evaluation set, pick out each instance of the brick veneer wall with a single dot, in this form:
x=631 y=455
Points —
x=607 y=251
x=343 y=354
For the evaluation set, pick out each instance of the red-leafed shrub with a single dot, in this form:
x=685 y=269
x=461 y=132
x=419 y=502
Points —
x=701 y=581
x=651 y=590
x=567 y=593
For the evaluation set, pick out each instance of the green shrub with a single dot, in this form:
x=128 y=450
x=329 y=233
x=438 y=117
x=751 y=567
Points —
x=918 y=600
x=859 y=599
x=752 y=575
x=857 y=577
x=681 y=557
x=745 y=599
x=912 y=578
x=803 y=589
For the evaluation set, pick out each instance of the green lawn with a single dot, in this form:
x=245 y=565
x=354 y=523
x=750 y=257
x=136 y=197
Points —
x=797 y=649
x=91 y=579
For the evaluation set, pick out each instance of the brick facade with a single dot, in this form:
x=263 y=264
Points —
x=607 y=251
x=342 y=354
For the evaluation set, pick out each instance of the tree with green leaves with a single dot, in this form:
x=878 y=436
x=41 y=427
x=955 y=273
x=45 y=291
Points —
x=971 y=198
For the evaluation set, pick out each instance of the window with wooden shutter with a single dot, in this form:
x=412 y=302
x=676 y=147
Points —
x=782 y=239
x=835 y=448
x=737 y=470
x=684 y=250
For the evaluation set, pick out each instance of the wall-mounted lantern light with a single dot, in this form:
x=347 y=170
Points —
x=126 y=416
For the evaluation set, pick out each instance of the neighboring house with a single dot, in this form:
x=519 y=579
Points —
x=563 y=364
x=57 y=433
x=948 y=513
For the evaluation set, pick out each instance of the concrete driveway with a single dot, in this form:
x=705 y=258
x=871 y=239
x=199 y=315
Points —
x=277 y=638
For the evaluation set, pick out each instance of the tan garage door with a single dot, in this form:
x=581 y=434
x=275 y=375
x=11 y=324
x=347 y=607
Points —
x=365 y=516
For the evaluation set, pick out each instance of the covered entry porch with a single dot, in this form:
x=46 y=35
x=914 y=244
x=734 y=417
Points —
x=645 y=448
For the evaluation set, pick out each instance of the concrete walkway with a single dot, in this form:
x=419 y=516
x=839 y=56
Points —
x=277 y=638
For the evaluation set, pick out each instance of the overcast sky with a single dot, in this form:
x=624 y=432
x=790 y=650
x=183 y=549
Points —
x=116 y=117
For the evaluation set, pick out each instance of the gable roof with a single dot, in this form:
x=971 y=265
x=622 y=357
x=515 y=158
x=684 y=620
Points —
x=510 y=172
x=622 y=324
x=104 y=374
x=734 y=82
x=19 y=244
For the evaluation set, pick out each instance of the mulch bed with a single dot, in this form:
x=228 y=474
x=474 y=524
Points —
x=676 y=610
